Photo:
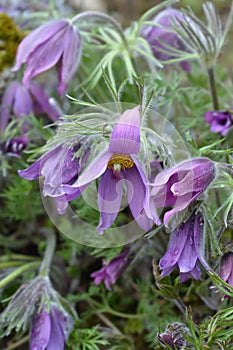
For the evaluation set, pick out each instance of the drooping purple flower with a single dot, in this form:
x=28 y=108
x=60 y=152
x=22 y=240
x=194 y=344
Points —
x=58 y=166
x=117 y=166
x=13 y=147
x=54 y=42
x=181 y=184
x=50 y=330
x=162 y=32
x=20 y=101
x=110 y=272
x=186 y=249
x=220 y=121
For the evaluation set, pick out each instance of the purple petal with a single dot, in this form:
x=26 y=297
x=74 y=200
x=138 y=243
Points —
x=37 y=37
x=175 y=247
x=109 y=199
x=125 y=138
x=44 y=57
x=188 y=257
x=137 y=197
x=31 y=173
x=93 y=171
x=43 y=101
x=199 y=240
x=57 y=338
x=40 y=331
x=70 y=58
x=7 y=104
x=23 y=102
x=226 y=267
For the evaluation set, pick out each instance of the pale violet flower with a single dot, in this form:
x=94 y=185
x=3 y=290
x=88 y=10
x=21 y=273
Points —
x=54 y=42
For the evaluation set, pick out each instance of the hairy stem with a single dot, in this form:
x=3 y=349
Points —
x=49 y=252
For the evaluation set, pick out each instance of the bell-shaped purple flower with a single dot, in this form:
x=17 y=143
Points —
x=220 y=121
x=110 y=272
x=13 y=147
x=118 y=166
x=50 y=330
x=162 y=32
x=181 y=184
x=54 y=42
x=186 y=249
x=19 y=100
x=58 y=166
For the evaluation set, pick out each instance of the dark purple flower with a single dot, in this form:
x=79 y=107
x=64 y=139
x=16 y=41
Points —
x=20 y=101
x=118 y=166
x=181 y=184
x=58 y=166
x=112 y=271
x=161 y=32
x=54 y=42
x=186 y=249
x=13 y=147
x=50 y=330
x=220 y=121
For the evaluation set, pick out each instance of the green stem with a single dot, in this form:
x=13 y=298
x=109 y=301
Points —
x=18 y=343
x=18 y=272
x=102 y=16
x=212 y=85
x=49 y=252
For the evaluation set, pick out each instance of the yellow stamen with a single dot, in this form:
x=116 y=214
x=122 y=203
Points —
x=122 y=160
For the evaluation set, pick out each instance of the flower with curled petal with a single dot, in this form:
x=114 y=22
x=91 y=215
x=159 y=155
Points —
x=59 y=167
x=178 y=186
x=54 y=42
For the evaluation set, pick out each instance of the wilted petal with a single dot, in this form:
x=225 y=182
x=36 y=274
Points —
x=109 y=199
x=125 y=138
x=40 y=331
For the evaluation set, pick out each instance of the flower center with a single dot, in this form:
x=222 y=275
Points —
x=120 y=161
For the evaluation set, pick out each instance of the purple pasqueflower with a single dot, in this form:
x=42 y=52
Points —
x=110 y=272
x=54 y=42
x=117 y=166
x=181 y=184
x=220 y=121
x=19 y=100
x=13 y=147
x=58 y=166
x=186 y=249
x=50 y=330
x=161 y=32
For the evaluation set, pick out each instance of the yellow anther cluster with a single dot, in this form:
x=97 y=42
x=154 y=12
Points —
x=124 y=160
x=10 y=37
